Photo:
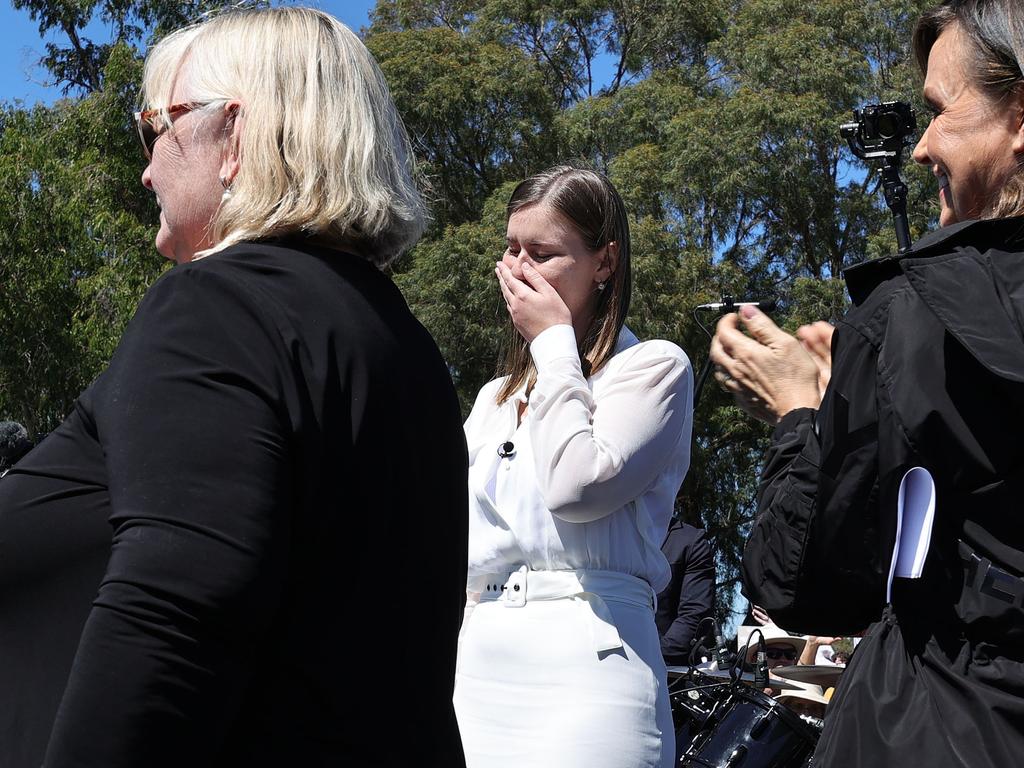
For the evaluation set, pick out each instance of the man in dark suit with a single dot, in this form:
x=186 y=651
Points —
x=690 y=595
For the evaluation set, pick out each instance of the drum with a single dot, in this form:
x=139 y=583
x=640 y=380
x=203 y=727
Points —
x=751 y=730
x=693 y=697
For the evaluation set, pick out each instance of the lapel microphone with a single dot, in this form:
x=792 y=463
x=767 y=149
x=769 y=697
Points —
x=507 y=449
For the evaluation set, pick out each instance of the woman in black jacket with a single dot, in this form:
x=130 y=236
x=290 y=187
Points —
x=926 y=401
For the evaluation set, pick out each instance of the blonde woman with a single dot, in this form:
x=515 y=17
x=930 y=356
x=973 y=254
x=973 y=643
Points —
x=576 y=456
x=207 y=564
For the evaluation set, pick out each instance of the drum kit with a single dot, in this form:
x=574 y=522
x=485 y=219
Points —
x=722 y=721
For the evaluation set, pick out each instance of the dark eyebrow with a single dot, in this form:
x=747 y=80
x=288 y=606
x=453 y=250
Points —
x=532 y=243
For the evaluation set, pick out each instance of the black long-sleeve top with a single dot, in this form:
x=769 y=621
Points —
x=264 y=500
x=690 y=594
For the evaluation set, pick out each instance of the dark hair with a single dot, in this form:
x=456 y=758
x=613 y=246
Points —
x=994 y=33
x=593 y=206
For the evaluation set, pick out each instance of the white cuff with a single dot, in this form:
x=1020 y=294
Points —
x=553 y=343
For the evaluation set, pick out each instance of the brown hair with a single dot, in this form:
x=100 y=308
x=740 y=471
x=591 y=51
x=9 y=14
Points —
x=593 y=206
x=994 y=33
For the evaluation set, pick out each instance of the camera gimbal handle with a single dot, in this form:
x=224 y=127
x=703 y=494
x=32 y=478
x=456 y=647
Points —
x=889 y=151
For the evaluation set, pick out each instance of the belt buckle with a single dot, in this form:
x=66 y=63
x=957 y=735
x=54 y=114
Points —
x=515 y=589
x=984 y=577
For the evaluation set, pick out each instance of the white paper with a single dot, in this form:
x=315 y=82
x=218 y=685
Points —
x=915 y=514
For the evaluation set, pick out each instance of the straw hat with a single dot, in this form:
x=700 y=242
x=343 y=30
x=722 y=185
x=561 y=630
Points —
x=773 y=633
x=806 y=692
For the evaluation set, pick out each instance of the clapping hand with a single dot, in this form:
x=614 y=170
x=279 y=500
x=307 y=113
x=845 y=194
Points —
x=769 y=372
x=817 y=340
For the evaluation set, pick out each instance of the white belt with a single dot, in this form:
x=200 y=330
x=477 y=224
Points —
x=586 y=588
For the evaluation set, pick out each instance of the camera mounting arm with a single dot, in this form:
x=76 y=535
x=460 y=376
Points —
x=880 y=134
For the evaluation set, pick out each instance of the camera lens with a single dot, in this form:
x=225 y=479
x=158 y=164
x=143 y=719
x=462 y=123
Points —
x=889 y=125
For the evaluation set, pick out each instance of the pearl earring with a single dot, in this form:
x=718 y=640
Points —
x=227 y=190
x=600 y=286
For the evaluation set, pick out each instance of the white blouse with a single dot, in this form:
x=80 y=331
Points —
x=595 y=464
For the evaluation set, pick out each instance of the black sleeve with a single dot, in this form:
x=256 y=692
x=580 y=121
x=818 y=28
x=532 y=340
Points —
x=696 y=599
x=814 y=558
x=196 y=446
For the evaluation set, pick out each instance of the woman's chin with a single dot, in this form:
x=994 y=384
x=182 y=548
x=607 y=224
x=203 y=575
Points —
x=169 y=248
x=947 y=216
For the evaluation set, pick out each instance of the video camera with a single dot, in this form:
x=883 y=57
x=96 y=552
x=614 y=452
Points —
x=881 y=132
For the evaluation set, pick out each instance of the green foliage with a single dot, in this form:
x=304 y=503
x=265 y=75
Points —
x=843 y=645
x=476 y=112
x=76 y=237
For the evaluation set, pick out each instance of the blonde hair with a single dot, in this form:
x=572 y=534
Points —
x=593 y=206
x=323 y=151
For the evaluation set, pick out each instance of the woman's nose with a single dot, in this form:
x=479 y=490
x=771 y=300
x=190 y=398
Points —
x=515 y=263
x=147 y=179
x=920 y=153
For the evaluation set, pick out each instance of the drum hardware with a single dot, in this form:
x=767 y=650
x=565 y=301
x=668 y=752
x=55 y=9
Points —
x=728 y=724
x=693 y=696
x=720 y=677
x=751 y=729
x=817 y=723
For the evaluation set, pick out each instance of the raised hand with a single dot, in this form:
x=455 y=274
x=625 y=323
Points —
x=817 y=340
x=769 y=372
x=531 y=302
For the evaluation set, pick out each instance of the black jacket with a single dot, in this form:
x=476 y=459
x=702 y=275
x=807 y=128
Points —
x=264 y=500
x=690 y=595
x=928 y=371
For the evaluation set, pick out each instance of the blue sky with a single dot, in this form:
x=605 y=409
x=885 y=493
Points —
x=21 y=46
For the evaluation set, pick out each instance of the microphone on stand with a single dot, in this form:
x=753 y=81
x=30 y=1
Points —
x=723 y=307
x=721 y=650
x=761 y=664
x=727 y=305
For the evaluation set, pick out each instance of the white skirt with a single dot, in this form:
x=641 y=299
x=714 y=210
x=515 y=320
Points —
x=563 y=669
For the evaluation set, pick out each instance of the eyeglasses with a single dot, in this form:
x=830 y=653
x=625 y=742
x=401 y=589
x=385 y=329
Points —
x=150 y=126
x=789 y=654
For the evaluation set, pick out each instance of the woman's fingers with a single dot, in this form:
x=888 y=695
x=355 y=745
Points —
x=506 y=291
x=817 y=340
x=536 y=280
x=508 y=280
x=532 y=301
x=768 y=372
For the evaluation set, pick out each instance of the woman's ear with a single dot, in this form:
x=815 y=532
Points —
x=1018 y=140
x=609 y=262
x=231 y=156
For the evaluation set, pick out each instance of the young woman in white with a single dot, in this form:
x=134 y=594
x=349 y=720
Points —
x=576 y=456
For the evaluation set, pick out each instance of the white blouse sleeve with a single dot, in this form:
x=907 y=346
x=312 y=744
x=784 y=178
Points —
x=592 y=458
